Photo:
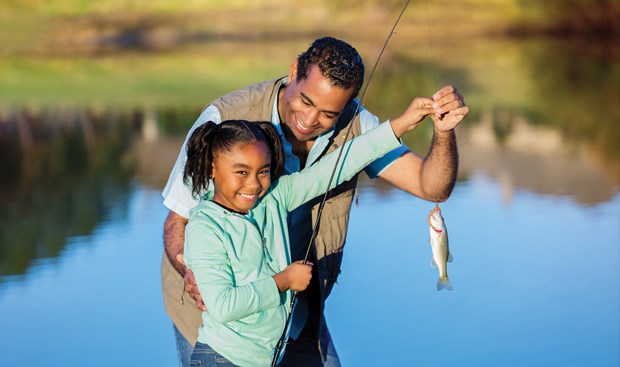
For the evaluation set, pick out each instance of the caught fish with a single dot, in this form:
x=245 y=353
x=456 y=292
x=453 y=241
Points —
x=439 y=245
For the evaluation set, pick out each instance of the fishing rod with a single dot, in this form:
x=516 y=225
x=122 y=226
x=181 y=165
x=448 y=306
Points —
x=283 y=338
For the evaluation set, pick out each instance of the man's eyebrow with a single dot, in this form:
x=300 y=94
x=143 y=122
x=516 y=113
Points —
x=312 y=103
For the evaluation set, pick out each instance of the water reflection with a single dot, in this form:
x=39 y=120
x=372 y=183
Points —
x=537 y=159
x=64 y=168
x=63 y=171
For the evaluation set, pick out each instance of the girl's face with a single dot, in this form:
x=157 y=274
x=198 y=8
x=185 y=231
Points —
x=241 y=176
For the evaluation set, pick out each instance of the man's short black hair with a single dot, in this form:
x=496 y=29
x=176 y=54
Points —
x=338 y=61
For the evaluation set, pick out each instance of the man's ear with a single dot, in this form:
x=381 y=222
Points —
x=292 y=71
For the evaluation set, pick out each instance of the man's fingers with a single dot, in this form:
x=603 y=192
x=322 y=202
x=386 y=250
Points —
x=201 y=306
x=448 y=89
x=199 y=301
x=190 y=288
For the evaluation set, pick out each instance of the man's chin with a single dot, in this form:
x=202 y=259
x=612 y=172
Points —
x=305 y=136
x=300 y=135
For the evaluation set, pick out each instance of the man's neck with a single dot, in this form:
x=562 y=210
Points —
x=300 y=149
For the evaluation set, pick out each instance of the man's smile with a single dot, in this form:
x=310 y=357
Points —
x=301 y=127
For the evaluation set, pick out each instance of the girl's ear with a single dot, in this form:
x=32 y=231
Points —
x=212 y=176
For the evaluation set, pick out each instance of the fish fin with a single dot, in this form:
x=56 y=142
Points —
x=433 y=263
x=444 y=284
x=450 y=258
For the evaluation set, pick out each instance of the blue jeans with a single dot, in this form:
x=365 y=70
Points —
x=184 y=348
x=204 y=356
x=302 y=352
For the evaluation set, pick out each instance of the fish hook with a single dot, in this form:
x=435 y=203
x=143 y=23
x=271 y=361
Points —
x=435 y=209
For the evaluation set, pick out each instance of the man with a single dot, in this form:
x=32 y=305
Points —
x=312 y=108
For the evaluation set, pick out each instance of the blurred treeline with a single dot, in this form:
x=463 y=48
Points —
x=586 y=18
x=79 y=26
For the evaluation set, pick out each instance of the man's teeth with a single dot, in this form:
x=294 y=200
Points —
x=302 y=126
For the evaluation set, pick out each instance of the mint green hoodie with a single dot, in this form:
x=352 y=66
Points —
x=235 y=256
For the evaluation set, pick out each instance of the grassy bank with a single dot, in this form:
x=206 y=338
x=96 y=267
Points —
x=72 y=27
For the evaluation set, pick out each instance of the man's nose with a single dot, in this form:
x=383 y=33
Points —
x=312 y=117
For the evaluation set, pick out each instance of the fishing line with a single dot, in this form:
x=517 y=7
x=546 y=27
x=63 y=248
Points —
x=430 y=44
x=362 y=100
x=433 y=74
x=331 y=177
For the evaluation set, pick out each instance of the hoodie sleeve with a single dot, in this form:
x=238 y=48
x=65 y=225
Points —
x=298 y=188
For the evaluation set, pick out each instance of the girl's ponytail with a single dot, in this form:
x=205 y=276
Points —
x=198 y=166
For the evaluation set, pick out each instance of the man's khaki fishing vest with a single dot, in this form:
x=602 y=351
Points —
x=255 y=103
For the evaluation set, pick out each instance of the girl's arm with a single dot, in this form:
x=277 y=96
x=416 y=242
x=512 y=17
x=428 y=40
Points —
x=206 y=256
x=297 y=188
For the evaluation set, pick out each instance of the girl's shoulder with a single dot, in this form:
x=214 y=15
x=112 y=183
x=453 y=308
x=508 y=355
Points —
x=276 y=191
x=209 y=214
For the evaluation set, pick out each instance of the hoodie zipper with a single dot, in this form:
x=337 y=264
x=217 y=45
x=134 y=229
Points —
x=263 y=240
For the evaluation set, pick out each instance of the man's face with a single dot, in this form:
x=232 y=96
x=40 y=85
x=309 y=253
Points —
x=311 y=106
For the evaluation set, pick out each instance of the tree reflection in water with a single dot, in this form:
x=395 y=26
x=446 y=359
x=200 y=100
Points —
x=63 y=171
x=65 y=168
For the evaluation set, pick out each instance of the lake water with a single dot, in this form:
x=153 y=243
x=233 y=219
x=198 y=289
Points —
x=534 y=226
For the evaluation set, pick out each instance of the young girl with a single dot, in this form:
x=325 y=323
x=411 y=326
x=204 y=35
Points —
x=237 y=241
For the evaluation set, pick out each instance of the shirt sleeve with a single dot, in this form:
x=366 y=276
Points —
x=368 y=121
x=177 y=195
x=206 y=255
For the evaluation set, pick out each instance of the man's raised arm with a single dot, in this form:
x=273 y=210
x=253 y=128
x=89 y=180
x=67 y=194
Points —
x=431 y=178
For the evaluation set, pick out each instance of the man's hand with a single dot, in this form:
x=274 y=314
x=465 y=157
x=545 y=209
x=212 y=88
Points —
x=190 y=286
x=449 y=108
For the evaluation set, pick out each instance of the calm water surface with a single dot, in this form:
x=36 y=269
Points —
x=534 y=226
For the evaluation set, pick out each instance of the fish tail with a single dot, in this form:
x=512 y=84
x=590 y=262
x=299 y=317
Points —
x=444 y=283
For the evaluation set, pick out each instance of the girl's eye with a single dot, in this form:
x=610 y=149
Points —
x=264 y=172
x=241 y=172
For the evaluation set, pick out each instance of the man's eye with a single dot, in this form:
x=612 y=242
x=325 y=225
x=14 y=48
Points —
x=305 y=101
x=242 y=173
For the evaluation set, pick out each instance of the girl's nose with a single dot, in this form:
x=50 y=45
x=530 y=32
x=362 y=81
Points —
x=253 y=182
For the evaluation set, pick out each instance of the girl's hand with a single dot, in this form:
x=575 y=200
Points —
x=447 y=109
x=295 y=277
